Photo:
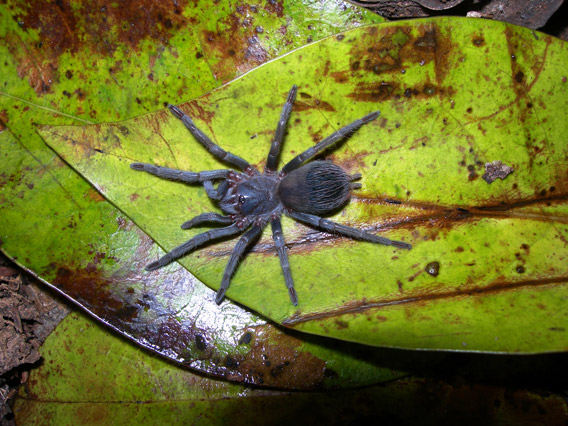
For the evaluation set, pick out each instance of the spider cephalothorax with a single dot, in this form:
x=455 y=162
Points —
x=252 y=199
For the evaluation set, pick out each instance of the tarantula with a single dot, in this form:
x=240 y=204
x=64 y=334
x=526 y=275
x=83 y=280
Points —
x=252 y=199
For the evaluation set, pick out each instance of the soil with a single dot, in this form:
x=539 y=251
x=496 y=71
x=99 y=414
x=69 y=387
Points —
x=29 y=313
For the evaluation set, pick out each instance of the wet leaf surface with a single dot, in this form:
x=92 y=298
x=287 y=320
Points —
x=61 y=65
x=117 y=386
x=454 y=94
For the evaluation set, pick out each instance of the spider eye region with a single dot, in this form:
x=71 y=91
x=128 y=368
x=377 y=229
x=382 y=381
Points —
x=256 y=196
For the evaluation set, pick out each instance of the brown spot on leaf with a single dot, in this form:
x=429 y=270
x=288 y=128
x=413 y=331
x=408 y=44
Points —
x=237 y=46
x=394 y=47
x=245 y=338
x=274 y=361
x=63 y=28
x=200 y=342
x=274 y=6
x=86 y=286
x=312 y=103
x=93 y=195
x=3 y=119
x=374 y=92
x=478 y=41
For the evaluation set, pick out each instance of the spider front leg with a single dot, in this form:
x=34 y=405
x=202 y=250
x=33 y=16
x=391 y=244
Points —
x=202 y=138
x=336 y=228
x=283 y=255
x=195 y=242
x=207 y=218
x=236 y=255
x=180 y=175
x=206 y=177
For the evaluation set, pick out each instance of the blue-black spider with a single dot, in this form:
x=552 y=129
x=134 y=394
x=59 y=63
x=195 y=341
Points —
x=252 y=199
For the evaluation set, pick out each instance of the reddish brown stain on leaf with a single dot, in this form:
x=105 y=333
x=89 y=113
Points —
x=40 y=76
x=94 y=195
x=100 y=27
x=173 y=336
x=353 y=163
x=312 y=103
x=235 y=48
x=274 y=361
x=3 y=119
x=103 y=24
x=396 y=49
x=433 y=293
x=375 y=92
x=275 y=7
x=196 y=110
x=86 y=286
x=478 y=40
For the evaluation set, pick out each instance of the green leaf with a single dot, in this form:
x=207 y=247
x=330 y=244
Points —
x=455 y=94
x=110 y=383
x=72 y=65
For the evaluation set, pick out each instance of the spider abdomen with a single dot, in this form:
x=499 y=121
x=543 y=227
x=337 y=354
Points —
x=317 y=187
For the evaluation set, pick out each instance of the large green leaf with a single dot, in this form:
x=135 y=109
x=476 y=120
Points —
x=108 y=383
x=65 y=64
x=454 y=94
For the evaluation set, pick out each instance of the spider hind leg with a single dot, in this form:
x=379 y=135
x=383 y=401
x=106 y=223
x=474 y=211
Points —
x=347 y=231
x=204 y=140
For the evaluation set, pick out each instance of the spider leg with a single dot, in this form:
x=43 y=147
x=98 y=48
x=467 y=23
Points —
x=195 y=242
x=207 y=218
x=180 y=175
x=210 y=190
x=298 y=160
x=283 y=255
x=236 y=254
x=204 y=140
x=272 y=161
x=358 y=234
